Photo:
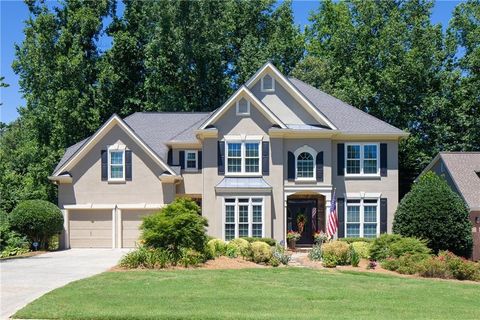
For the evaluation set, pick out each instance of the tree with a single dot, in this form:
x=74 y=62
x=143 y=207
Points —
x=434 y=212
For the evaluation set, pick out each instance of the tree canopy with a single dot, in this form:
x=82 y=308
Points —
x=385 y=57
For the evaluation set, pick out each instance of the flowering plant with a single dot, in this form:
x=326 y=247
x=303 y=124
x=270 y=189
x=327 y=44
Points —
x=293 y=235
x=320 y=237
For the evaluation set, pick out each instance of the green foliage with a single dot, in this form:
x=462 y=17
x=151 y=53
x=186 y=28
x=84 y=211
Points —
x=460 y=268
x=261 y=252
x=237 y=247
x=433 y=211
x=191 y=258
x=353 y=256
x=177 y=226
x=11 y=242
x=409 y=246
x=316 y=253
x=335 y=253
x=354 y=239
x=380 y=248
x=37 y=219
x=271 y=242
x=148 y=258
x=216 y=247
x=362 y=248
x=280 y=254
x=406 y=264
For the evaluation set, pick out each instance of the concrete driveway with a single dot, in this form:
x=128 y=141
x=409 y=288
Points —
x=24 y=280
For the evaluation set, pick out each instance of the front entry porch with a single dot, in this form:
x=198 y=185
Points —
x=306 y=215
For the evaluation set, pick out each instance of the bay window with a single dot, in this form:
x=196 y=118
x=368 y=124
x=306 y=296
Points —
x=243 y=217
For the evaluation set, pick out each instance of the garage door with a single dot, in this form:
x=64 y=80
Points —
x=90 y=228
x=131 y=221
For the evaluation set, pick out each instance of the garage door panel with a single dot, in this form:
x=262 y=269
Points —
x=91 y=229
x=131 y=221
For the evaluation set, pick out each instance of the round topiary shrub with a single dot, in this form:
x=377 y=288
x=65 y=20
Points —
x=261 y=252
x=239 y=247
x=434 y=212
x=362 y=248
x=217 y=247
x=175 y=227
x=37 y=219
x=335 y=253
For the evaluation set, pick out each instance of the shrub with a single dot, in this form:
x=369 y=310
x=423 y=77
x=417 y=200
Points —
x=144 y=257
x=175 y=227
x=355 y=239
x=279 y=253
x=271 y=242
x=216 y=247
x=316 y=253
x=274 y=262
x=37 y=219
x=335 y=253
x=191 y=257
x=238 y=247
x=409 y=245
x=434 y=267
x=11 y=242
x=362 y=248
x=460 y=268
x=433 y=211
x=261 y=252
x=354 y=257
x=380 y=248
x=406 y=264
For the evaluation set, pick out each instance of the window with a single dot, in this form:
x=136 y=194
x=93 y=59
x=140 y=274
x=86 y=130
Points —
x=116 y=163
x=361 y=159
x=243 y=107
x=191 y=161
x=362 y=218
x=243 y=217
x=305 y=165
x=268 y=84
x=243 y=158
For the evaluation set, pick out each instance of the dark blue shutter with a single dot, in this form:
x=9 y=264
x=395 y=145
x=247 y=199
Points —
x=265 y=158
x=341 y=217
x=221 y=157
x=319 y=163
x=383 y=215
x=383 y=159
x=170 y=157
x=291 y=166
x=128 y=165
x=200 y=160
x=104 y=157
x=340 y=159
x=181 y=156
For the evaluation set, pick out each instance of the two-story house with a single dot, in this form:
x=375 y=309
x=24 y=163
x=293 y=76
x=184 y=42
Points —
x=275 y=150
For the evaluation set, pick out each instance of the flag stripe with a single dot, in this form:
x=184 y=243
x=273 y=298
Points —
x=332 y=227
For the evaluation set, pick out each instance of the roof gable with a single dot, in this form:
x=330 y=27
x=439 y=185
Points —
x=82 y=148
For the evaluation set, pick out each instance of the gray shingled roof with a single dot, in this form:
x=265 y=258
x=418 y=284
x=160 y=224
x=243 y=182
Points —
x=345 y=117
x=155 y=129
x=463 y=168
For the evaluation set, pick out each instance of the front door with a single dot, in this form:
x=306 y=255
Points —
x=299 y=213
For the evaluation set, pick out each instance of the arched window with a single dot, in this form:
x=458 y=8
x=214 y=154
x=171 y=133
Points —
x=305 y=165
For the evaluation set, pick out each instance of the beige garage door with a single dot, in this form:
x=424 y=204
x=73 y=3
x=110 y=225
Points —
x=90 y=228
x=131 y=221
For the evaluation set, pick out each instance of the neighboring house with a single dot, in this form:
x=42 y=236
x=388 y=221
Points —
x=275 y=150
x=462 y=172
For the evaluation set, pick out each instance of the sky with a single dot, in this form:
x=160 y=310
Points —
x=13 y=13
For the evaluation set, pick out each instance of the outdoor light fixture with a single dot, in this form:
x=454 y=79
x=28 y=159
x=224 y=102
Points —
x=477 y=219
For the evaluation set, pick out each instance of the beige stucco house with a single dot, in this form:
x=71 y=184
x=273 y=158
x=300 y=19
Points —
x=461 y=170
x=276 y=149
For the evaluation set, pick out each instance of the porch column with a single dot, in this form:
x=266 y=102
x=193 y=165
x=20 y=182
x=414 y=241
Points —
x=66 y=229
x=114 y=221
x=119 y=229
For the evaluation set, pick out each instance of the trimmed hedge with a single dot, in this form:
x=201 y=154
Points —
x=37 y=219
x=395 y=246
x=350 y=240
x=271 y=242
x=434 y=212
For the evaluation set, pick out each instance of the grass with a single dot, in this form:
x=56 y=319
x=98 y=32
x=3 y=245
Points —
x=283 y=293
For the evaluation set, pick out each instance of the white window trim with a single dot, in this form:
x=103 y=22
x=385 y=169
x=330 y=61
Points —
x=238 y=110
x=243 y=158
x=361 y=174
x=313 y=152
x=362 y=215
x=115 y=148
x=186 y=160
x=262 y=88
x=250 y=214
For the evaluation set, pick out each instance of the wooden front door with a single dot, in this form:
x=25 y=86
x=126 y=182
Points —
x=296 y=210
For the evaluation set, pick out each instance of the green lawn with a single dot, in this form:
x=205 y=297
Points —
x=285 y=293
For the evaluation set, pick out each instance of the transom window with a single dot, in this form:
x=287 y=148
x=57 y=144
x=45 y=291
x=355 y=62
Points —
x=268 y=84
x=243 y=157
x=116 y=164
x=361 y=159
x=243 y=107
x=191 y=161
x=243 y=217
x=362 y=217
x=305 y=165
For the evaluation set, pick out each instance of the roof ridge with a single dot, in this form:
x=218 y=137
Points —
x=343 y=102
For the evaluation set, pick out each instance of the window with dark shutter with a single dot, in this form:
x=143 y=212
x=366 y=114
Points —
x=341 y=217
x=383 y=159
x=221 y=157
x=265 y=158
x=383 y=215
x=181 y=156
x=104 y=158
x=319 y=165
x=291 y=166
x=128 y=165
x=340 y=159
x=200 y=160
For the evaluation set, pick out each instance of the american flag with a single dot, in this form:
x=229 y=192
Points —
x=314 y=219
x=332 y=217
